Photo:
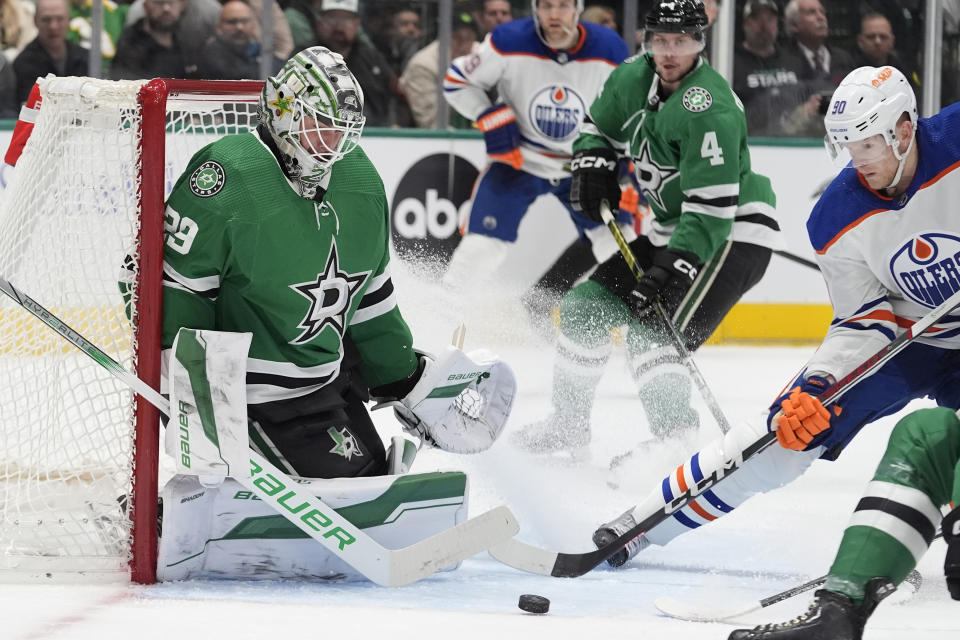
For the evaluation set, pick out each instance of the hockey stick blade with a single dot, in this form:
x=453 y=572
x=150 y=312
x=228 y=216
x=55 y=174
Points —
x=718 y=613
x=386 y=567
x=700 y=612
x=525 y=557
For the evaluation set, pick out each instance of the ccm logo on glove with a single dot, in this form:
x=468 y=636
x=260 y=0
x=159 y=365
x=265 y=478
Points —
x=592 y=162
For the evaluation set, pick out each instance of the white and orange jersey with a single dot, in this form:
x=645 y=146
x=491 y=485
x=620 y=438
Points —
x=888 y=261
x=549 y=90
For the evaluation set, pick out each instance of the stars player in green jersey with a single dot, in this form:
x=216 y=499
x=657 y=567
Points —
x=283 y=232
x=709 y=241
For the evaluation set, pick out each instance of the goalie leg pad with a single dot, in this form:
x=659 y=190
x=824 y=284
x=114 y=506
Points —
x=225 y=532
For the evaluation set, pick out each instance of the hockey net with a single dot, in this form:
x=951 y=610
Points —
x=81 y=232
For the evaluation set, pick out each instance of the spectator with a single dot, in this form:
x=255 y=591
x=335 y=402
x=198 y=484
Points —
x=49 y=52
x=400 y=38
x=283 y=46
x=200 y=21
x=299 y=15
x=338 y=25
x=234 y=52
x=819 y=66
x=760 y=78
x=150 y=47
x=875 y=48
x=421 y=78
x=491 y=14
x=599 y=14
x=81 y=31
x=16 y=26
x=9 y=107
x=807 y=25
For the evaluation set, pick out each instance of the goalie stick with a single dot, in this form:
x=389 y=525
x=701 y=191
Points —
x=680 y=345
x=699 y=612
x=525 y=557
x=386 y=567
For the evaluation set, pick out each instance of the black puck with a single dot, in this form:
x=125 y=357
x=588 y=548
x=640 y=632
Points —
x=534 y=604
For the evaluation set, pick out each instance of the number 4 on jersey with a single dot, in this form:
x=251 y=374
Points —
x=710 y=148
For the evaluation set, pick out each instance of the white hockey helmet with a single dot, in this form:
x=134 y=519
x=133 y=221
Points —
x=313 y=110
x=862 y=116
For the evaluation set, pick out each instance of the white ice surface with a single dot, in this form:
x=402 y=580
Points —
x=774 y=542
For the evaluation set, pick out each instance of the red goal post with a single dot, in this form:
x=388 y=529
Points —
x=81 y=231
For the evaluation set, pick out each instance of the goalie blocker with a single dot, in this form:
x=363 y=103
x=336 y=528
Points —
x=458 y=403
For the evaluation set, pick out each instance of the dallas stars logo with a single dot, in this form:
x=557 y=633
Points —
x=344 y=443
x=652 y=177
x=330 y=296
x=281 y=106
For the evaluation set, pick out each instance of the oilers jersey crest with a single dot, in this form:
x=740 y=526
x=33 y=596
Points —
x=548 y=90
x=888 y=261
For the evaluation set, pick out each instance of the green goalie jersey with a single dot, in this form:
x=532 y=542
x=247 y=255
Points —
x=689 y=155
x=243 y=252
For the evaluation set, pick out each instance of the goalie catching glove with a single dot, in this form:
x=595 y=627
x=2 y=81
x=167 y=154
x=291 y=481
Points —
x=798 y=416
x=460 y=402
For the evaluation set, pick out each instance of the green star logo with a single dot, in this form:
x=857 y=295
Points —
x=208 y=179
x=281 y=106
x=344 y=443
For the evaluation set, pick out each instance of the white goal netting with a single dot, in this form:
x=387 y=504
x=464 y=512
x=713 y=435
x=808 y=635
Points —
x=70 y=239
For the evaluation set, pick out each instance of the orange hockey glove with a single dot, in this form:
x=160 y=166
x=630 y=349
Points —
x=801 y=416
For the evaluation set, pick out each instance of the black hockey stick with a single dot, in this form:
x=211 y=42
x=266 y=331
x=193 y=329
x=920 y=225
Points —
x=525 y=557
x=792 y=257
x=678 y=341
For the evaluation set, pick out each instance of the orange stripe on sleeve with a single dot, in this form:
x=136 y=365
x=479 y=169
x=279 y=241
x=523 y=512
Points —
x=883 y=316
x=848 y=228
x=700 y=511
x=681 y=482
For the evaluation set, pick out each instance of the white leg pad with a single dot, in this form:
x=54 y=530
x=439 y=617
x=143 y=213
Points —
x=227 y=532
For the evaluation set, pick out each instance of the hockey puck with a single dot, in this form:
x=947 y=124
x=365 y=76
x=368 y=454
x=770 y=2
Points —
x=534 y=604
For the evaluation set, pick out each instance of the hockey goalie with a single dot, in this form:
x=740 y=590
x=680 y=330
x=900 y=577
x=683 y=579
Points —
x=279 y=323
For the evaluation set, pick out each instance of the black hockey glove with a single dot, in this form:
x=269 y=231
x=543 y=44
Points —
x=951 y=564
x=671 y=275
x=595 y=178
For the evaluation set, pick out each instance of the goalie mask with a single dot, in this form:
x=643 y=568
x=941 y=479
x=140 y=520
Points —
x=862 y=117
x=313 y=110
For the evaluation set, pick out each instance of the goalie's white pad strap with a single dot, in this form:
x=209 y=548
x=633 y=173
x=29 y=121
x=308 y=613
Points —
x=462 y=401
x=208 y=403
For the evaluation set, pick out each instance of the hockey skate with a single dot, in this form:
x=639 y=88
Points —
x=612 y=530
x=555 y=434
x=831 y=616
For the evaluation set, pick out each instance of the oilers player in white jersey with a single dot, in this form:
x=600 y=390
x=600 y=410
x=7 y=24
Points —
x=887 y=239
x=546 y=70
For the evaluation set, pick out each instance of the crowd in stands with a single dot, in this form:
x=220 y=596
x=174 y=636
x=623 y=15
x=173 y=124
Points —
x=789 y=55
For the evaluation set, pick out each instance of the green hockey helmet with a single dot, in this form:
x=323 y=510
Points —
x=313 y=110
